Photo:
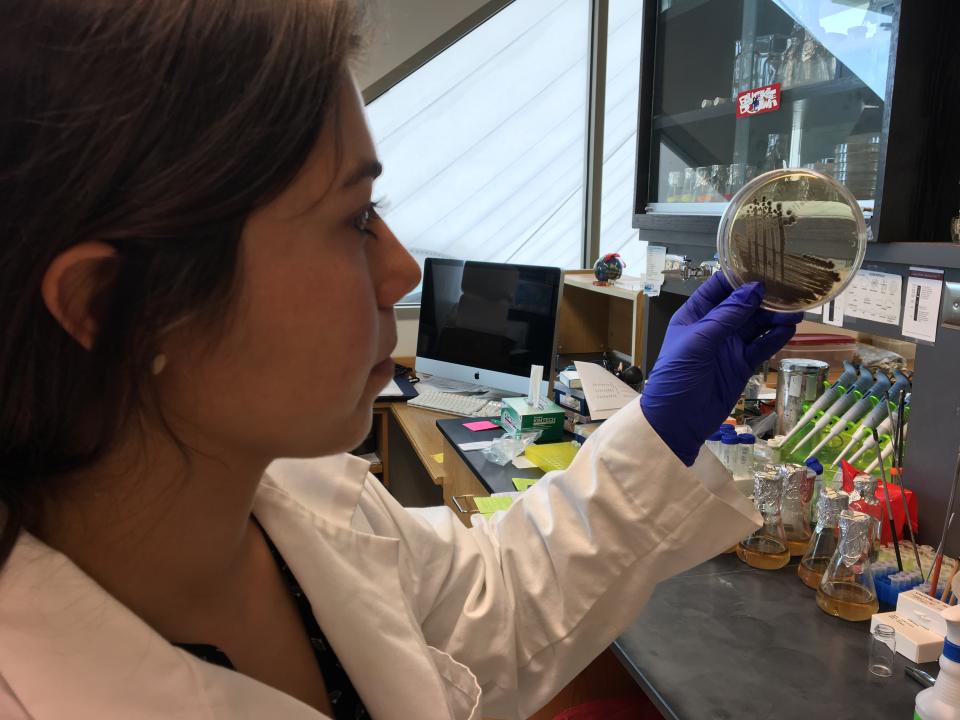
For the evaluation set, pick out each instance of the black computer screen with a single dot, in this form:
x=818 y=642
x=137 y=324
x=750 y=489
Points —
x=493 y=316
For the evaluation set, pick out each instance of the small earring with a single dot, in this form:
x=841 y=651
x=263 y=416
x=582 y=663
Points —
x=158 y=364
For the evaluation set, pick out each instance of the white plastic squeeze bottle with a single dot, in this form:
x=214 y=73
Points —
x=942 y=701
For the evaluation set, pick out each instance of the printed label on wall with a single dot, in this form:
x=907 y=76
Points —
x=759 y=100
x=921 y=304
x=874 y=296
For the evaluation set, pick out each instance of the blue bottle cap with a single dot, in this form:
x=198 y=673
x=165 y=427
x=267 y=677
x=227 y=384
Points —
x=716 y=437
x=727 y=429
x=814 y=465
x=729 y=439
x=747 y=439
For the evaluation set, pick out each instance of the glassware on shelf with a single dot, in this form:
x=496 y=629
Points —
x=883 y=647
x=823 y=543
x=718 y=182
x=689 y=184
x=777 y=152
x=864 y=498
x=674 y=185
x=766 y=548
x=799 y=232
x=795 y=506
x=857 y=163
x=847 y=590
x=736 y=177
x=768 y=58
x=702 y=191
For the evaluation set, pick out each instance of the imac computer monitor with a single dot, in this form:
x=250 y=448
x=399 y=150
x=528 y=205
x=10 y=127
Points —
x=488 y=323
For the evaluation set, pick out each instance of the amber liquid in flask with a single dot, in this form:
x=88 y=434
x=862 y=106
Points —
x=823 y=543
x=766 y=549
x=764 y=553
x=846 y=589
x=811 y=570
x=847 y=600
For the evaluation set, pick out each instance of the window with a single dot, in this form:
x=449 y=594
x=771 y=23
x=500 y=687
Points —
x=620 y=132
x=484 y=146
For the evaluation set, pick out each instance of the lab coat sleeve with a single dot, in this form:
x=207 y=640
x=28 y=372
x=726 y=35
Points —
x=529 y=597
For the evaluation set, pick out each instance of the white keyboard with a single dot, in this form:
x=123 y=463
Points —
x=465 y=405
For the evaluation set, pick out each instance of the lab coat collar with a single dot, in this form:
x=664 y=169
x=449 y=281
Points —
x=69 y=649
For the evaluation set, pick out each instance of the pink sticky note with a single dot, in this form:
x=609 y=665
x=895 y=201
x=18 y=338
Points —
x=480 y=425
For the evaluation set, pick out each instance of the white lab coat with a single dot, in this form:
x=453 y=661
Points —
x=429 y=618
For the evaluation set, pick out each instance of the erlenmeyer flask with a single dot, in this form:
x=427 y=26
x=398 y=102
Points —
x=766 y=549
x=847 y=590
x=823 y=543
x=795 y=506
x=864 y=499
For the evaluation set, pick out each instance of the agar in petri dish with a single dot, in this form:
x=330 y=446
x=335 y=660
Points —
x=799 y=232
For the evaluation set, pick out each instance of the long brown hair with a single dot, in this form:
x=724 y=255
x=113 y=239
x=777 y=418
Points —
x=156 y=127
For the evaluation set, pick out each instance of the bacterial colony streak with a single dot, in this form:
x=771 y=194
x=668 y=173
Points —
x=788 y=278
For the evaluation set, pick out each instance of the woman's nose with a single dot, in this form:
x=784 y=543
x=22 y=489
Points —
x=396 y=272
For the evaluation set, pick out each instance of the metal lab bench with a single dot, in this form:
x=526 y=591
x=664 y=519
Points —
x=724 y=640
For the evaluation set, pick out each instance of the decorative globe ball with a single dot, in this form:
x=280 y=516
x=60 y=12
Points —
x=608 y=268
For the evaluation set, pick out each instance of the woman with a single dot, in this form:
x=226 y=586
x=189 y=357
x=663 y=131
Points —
x=194 y=282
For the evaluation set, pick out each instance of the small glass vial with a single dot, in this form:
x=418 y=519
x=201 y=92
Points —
x=729 y=444
x=795 y=506
x=745 y=455
x=823 y=544
x=766 y=549
x=864 y=499
x=883 y=646
x=847 y=590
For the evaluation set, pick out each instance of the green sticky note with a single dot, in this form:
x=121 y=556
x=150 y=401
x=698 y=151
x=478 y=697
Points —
x=522 y=484
x=489 y=505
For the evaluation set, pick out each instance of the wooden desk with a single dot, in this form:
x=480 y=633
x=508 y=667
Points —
x=420 y=427
x=454 y=475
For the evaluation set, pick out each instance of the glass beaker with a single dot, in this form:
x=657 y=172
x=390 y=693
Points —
x=702 y=191
x=689 y=183
x=718 y=182
x=823 y=543
x=864 y=499
x=795 y=506
x=736 y=177
x=847 y=590
x=766 y=549
x=674 y=185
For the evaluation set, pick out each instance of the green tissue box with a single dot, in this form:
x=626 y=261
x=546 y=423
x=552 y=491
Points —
x=516 y=416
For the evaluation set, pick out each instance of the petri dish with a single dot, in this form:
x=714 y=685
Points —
x=799 y=232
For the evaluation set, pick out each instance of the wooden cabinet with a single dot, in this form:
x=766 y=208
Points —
x=595 y=318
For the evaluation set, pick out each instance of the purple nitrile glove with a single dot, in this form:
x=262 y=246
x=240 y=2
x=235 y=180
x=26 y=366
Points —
x=714 y=343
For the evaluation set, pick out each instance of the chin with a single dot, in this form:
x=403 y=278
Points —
x=338 y=435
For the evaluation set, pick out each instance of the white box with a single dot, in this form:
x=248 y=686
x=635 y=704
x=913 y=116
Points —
x=924 y=610
x=914 y=641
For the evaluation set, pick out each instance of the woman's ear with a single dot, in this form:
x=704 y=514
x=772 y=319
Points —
x=72 y=285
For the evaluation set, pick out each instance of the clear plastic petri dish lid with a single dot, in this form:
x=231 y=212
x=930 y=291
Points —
x=799 y=232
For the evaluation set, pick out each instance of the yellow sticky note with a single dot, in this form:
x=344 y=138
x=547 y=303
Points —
x=489 y=505
x=438 y=458
x=522 y=484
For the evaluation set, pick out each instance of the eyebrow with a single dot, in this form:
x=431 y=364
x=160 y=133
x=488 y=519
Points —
x=369 y=170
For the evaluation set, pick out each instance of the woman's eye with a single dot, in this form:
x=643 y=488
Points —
x=366 y=216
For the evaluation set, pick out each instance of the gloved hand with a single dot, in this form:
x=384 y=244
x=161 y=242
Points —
x=714 y=343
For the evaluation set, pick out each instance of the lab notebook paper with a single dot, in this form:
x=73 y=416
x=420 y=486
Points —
x=605 y=392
